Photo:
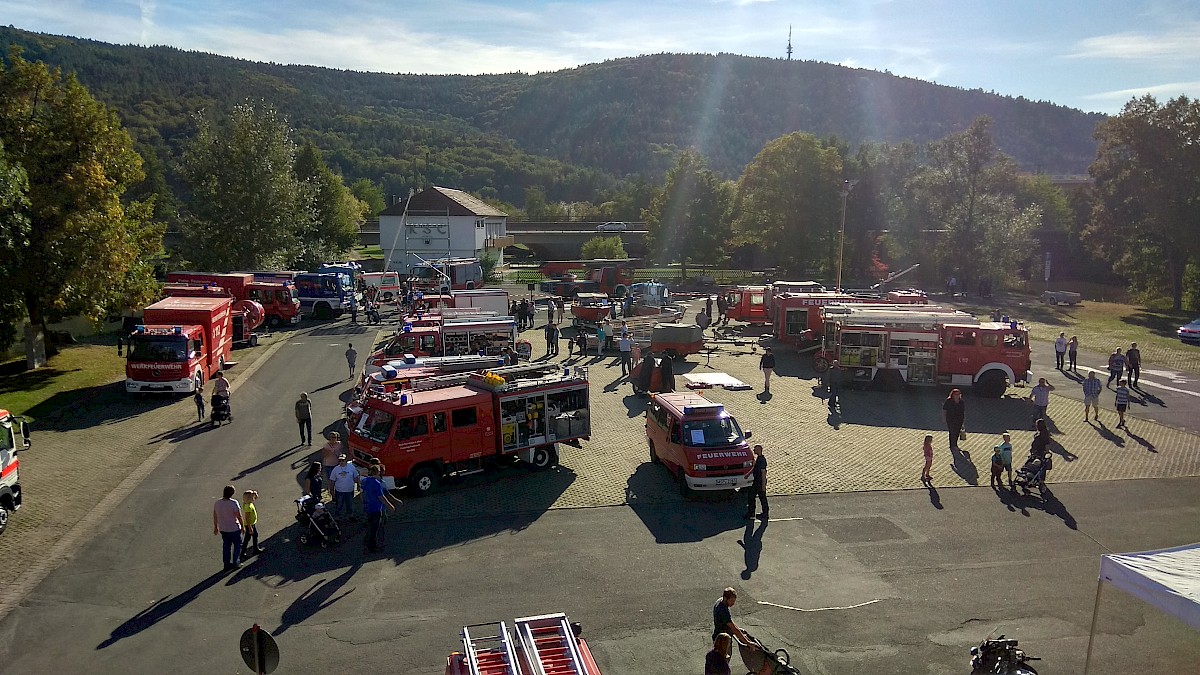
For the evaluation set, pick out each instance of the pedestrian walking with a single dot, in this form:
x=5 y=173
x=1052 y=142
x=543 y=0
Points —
x=220 y=385
x=354 y=311
x=722 y=309
x=314 y=483
x=954 y=414
x=351 y=359
x=198 y=398
x=551 y=339
x=1122 y=401
x=250 y=519
x=1133 y=364
x=375 y=497
x=227 y=521
x=304 y=418
x=626 y=346
x=1116 y=366
x=1073 y=353
x=1060 y=351
x=723 y=618
x=927 y=451
x=833 y=384
x=1091 y=395
x=759 y=488
x=1040 y=396
x=767 y=365
x=716 y=661
x=330 y=452
x=1006 y=456
x=344 y=477
x=996 y=479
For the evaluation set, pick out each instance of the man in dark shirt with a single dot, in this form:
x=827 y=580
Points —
x=723 y=619
x=767 y=365
x=759 y=488
x=833 y=382
x=1133 y=363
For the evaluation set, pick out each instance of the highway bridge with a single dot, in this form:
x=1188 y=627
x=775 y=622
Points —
x=562 y=241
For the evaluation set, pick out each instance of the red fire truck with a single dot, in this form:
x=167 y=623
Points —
x=447 y=274
x=460 y=424
x=749 y=304
x=277 y=296
x=450 y=335
x=796 y=319
x=181 y=343
x=698 y=442
x=610 y=277
x=247 y=314
x=14 y=437
x=893 y=345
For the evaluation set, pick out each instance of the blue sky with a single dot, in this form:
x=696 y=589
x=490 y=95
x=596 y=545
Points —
x=1093 y=55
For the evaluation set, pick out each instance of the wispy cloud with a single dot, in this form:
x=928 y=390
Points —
x=1168 y=90
x=1180 y=43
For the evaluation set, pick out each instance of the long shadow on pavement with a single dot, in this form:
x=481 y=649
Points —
x=93 y=406
x=316 y=598
x=751 y=542
x=1048 y=503
x=163 y=608
x=278 y=457
x=650 y=493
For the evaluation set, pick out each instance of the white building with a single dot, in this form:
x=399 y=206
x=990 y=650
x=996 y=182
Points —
x=439 y=222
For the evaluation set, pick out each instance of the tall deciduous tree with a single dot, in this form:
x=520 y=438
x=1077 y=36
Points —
x=689 y=219
x=70 y=243
x=967 y=191
x=603 y=248
x=1147 y=192
x=246 y=201
x=788 y=201
x=337 y=214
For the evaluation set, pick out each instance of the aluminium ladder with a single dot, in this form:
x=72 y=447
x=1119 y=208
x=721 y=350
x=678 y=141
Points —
x=490 y=655
x=549 y=645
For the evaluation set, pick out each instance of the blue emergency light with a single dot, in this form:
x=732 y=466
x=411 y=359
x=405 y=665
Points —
x=408 y=327
x=179 y=330
x=139 y=328
x=403 y=399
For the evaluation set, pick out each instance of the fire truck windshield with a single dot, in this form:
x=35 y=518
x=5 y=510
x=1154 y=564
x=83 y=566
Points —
x=7 y=442
x=287 y=295
x=425 y=273
x=711 y=433
x=158 y=348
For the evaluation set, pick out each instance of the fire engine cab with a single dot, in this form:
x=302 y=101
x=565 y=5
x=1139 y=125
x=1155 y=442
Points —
x=14 y=437
x=460 y=424
x=893 y=345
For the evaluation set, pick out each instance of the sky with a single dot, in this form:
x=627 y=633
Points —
x=1093 y=55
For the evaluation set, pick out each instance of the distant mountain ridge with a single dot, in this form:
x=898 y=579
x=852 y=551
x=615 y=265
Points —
x=572 y=131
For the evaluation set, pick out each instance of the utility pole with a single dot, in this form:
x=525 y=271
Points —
x=847 y=186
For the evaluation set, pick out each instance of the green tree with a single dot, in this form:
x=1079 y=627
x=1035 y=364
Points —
x=369 y=193
x=1147 y=196
x=688 y=220
x=788 y=202
x=246 y=201
x=967 y=193
x=603 y=248
x=537 y=209
x=70 y=245
x=337 y=213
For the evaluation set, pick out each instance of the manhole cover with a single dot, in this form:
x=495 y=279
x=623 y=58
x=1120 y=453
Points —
x=860 y=530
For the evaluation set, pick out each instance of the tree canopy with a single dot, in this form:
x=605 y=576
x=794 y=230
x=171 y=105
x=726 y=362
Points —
x=688 y=220
x=604 y=248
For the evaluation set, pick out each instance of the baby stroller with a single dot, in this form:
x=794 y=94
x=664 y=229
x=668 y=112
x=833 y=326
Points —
x=221 y=412
x=761 y=661
x=1033 y=473
x=317 y=526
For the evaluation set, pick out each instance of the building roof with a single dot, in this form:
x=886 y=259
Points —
x=440 y=200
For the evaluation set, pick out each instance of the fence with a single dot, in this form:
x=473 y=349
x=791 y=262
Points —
x=665 y=274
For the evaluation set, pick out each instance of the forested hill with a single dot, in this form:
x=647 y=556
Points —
x=570 y=131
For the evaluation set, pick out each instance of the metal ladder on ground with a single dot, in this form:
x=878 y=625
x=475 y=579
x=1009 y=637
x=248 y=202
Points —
x=490 y=654
x=549 y=645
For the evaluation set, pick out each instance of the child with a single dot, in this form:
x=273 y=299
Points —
x=928 y=449
x=250 y=517
x=198 y=397
x=1006 y=457
x=997 y=468
x=1122 y=403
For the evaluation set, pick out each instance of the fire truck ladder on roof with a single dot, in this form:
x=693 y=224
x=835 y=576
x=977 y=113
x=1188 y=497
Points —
x=509 y=373
x=549 y=645
x=490 y=655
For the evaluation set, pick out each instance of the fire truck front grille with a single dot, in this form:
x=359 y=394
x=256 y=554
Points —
x=725 y=470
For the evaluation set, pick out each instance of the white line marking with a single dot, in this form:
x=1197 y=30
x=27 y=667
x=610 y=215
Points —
x=819 y=609
x=1149 y=383
x=779 y=520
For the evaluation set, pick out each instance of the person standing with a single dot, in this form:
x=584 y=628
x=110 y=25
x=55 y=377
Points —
x=759 y=489
x=954 y=414
x=227 y=521
x=996 y=479
x=304 y=418
x=1116 y=366
x=314 y=484
x=353 y=310
x=551 y=338
x=927 y=451
x=600 y=337
x=562 y=306
x=1122 y=401
x=1006 y=456
x=1091 y=395
x=375 y=497
x=626 y=347
x=722 y=309
x=833 y=383
x=716 y=662
x=250 y=518
x=1133 y=363
x=1060 y=350
x=723 y=618
x=198 y=398
x=581 y=342
x=767 y=365
x=330 y=452
x=703 y=321
x=708 y=306
x=351 y=359
x=1073 y=353
x=344 y=477
x=1040 y=395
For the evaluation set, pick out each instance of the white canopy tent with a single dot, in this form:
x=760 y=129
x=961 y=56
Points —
x=1169 y=579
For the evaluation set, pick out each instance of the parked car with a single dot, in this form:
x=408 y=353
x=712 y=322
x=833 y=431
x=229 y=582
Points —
x=1190 y=333
x=614 y=226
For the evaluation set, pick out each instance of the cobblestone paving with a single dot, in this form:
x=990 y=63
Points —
x=875 y=444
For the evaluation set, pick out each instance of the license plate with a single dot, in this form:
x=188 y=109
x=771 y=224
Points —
x=725 y=481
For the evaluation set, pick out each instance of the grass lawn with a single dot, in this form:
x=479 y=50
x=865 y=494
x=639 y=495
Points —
x=367 y=252
x=1102 y=327
x=73 y=375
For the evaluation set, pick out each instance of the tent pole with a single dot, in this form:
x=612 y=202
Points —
x=1087 y=662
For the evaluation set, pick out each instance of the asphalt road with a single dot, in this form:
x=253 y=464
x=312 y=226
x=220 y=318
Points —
x=884 y=582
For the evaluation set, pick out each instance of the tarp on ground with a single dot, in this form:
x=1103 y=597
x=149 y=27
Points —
x=1169 y=579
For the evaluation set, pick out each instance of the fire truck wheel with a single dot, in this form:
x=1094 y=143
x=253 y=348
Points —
x=820 y=363
x=654 y=455
x=992 y=384
x=254 y=339
x=387 y=296
x=544 y=457
x=3 y=518
x=422 y=481
x=274 y=322
x=620 y=291
x=322 y=310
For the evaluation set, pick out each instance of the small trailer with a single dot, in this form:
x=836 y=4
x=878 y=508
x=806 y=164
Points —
x=1061 y=298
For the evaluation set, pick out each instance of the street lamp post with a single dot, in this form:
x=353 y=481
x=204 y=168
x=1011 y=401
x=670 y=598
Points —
x=847 y=186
